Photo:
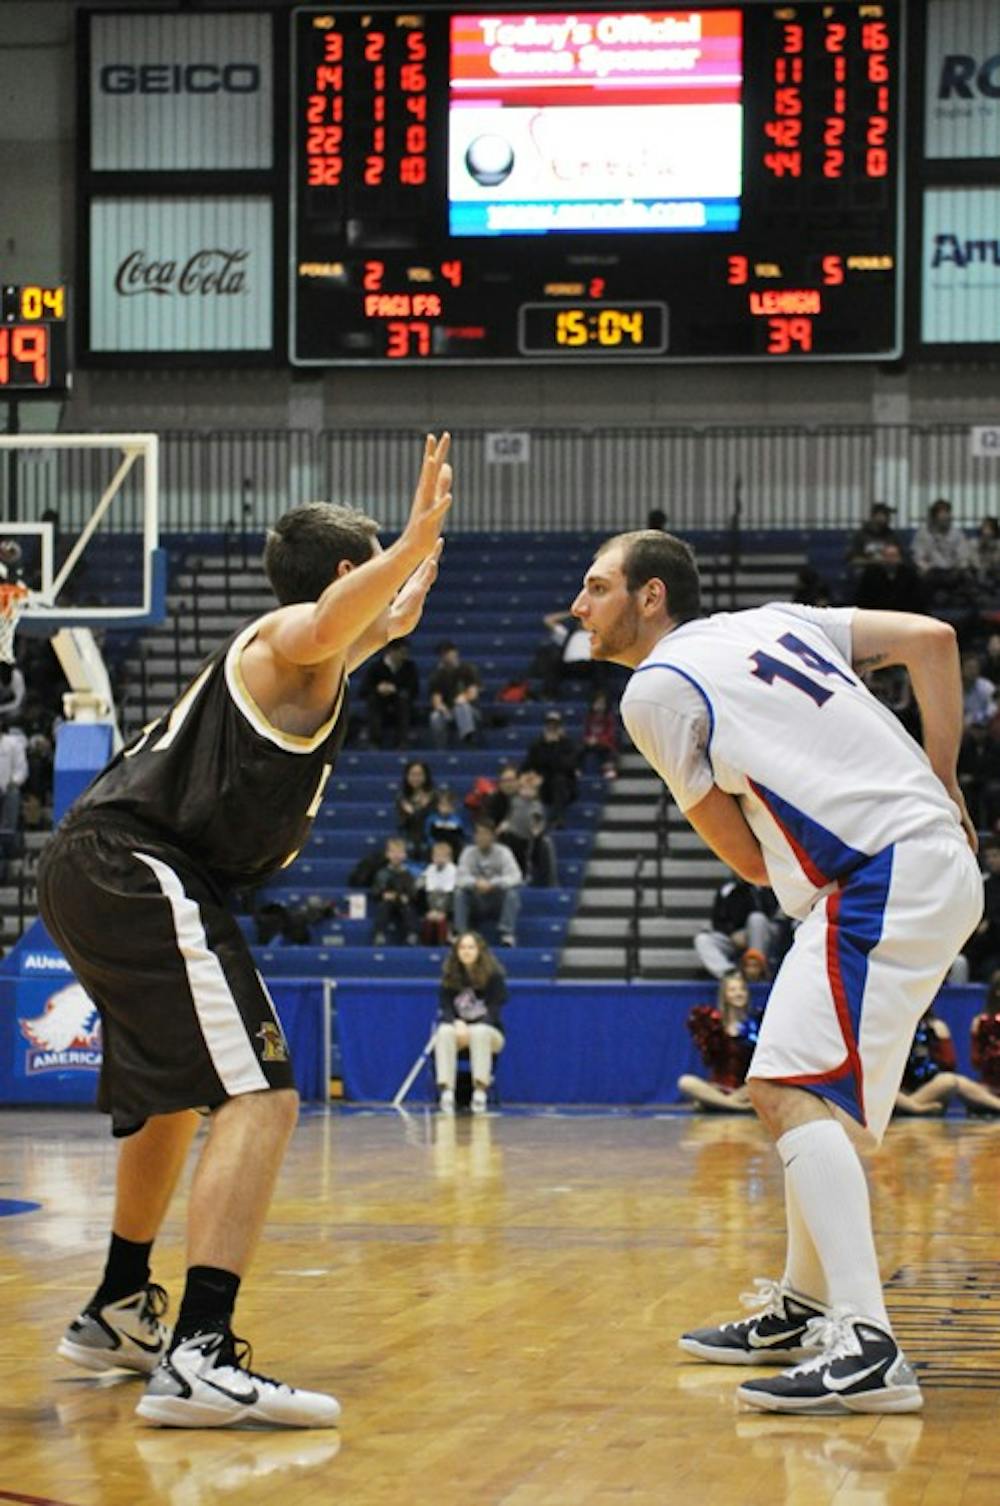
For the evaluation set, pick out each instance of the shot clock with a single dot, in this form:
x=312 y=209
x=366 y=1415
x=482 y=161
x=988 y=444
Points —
x=715 y=183
x=33 y=340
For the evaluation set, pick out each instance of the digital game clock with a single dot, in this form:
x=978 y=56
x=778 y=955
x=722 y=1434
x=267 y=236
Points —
x=602 y=329
x=34 y=348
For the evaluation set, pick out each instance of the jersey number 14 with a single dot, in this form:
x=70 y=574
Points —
x=768 y=668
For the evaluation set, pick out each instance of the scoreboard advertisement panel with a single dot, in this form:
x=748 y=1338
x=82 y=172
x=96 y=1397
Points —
x=718 y=183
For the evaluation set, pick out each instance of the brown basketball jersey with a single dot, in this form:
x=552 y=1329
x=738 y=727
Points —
x=213 y=778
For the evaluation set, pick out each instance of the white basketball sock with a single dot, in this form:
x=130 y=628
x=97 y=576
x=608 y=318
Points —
x=830 y=1192
x=803 y=1267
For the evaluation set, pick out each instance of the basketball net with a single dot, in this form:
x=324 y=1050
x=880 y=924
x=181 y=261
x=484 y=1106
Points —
x=13 y=600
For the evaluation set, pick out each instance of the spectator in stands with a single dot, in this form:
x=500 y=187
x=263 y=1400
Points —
x=522 y=829
x=13 y=775
x=986 y=560
x=414 y=803
x=869 y=541
x=554 y=756
x=496 y=804
x=11 y=691
x=445 y=823
x=657 y=518
x=393 y=894
x=473 y=993
x=892 y=687
x=742 y=917
x=811 y=589
x=754 y=966
x=488 y=884
x=438 y=884
x=982 y=950
x=986 y=1051
x=990 y=658
x=725 y=1036
x=889 y=583
x=599 y=737
x=942 y=556
x=979 y=695
x=391 y=688
x=566 y=655
x=453 y=689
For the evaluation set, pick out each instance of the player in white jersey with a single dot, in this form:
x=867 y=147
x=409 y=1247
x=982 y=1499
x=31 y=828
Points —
x=797 y=777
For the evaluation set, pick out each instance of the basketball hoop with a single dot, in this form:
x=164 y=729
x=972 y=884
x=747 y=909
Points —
x=13 y=600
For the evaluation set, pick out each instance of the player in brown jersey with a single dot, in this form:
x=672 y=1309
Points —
x=220 y=792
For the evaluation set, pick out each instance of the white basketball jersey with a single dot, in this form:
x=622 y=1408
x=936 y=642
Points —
x=765 y=703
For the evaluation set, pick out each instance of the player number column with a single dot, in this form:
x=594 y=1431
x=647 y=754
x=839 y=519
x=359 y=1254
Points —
x=324 y=116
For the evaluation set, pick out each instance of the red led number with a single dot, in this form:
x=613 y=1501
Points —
x=787 y=335
x=407 y=337
x=25 y=347
x=738 y=272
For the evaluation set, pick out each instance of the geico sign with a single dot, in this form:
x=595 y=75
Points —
x=962 y=76
x=179 y=78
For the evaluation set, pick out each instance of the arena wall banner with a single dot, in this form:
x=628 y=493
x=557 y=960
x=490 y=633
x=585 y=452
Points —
x=962 y=106
x=181 y=274
x=960 y=279
x=181 y=92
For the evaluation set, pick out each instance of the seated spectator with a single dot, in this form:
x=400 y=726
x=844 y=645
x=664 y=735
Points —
x=982 y=950
x=979 y=773
x=725 y=1036
x=986 y=559
x=414 y=803
x=942 y=556
x=473 y=993
x=599 y=737
x=12 y=691
x=986 y=1053
x=929 y=1077
x=890 y=584
x=393 y=893
x=523 y=831
x=13 y=775
x=453 y=689
x=488 y=884
x=445 y=823
x=390 y=689
x=742 y=917
x=496 y=803
x=979 y=695
x=869 y=541
x=566 y=655
x=811 y=590
x=753 y=966
x=892 y=687
x=554 y=756
x=438 y=884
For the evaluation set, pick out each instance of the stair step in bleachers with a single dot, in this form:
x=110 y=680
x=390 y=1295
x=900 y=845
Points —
x=390 y=962
x=532 y=932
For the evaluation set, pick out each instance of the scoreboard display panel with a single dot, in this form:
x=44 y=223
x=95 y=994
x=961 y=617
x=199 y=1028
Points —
x=720 y=183
x=34 y=349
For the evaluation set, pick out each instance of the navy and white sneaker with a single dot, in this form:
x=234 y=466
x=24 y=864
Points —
x=857 y=1366
x=206 y=1382
x=773 y=1336
x=123 y=1335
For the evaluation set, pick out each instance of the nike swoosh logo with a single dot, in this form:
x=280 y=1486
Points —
x=140 y=1344
x=832 y=1383
x=245 y=1398
x=768 y=1341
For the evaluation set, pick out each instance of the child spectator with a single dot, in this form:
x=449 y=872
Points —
x=393 y=893
x=600 y=735
x=445 y=823
x=438 y=884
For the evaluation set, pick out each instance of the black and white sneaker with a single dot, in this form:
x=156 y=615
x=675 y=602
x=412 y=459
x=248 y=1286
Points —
x=206 y=1382
x=773 y=1336
x=123 y=1335
x=857 y=1366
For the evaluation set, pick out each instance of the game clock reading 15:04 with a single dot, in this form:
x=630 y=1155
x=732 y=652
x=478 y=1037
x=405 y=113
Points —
x=719 y=183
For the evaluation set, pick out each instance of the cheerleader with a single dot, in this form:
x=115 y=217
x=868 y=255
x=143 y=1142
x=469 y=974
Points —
x=725 y=1034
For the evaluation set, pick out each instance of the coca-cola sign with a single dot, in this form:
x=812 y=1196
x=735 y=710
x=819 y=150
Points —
x=181 y=274
x=210 y=271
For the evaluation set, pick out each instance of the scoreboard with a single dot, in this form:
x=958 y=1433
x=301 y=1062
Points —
x=720 y=183
x=34 y=350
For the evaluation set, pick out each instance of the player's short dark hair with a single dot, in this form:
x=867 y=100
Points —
x=304 y=548
x=649 y=554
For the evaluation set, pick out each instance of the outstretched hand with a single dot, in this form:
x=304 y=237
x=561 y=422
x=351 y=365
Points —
x=432 y=498
x=408 y=606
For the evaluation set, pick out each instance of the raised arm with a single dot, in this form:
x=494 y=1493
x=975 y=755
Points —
x=928 y=649
x=311 y=632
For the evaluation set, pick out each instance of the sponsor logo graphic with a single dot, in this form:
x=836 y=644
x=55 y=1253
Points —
x=179 y=78
x=66 y=1036
x=273 y=1047
x=44 y=962
x=965 y=77
x=952 y=250
x=211 y=271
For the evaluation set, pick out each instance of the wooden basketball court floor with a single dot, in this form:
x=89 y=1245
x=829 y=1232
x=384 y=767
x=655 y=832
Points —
x=496 y=1304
